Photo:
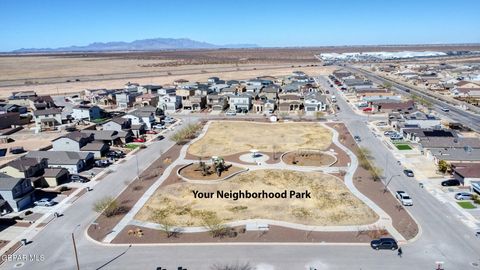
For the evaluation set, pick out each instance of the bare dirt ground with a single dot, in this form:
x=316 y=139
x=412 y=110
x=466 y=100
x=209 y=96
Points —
x=274 y=234
x=230 y=137
x=311 y=159
x=331 y=202
x=193 y=172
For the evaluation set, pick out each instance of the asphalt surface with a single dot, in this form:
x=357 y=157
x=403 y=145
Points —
x=444 y=237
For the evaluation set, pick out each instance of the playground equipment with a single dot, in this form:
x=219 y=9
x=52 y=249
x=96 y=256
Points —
x=218 y=166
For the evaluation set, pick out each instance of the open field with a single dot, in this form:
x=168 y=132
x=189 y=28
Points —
x=226 y=138
x=331 y=203
x=308 y=159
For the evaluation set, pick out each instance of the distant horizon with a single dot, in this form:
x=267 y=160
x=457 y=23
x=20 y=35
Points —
x=267 y=23
x=54 y=49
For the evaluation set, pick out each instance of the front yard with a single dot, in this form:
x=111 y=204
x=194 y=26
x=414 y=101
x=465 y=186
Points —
x=466 y=205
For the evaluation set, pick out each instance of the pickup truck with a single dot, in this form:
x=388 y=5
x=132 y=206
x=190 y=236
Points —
x=404 y=198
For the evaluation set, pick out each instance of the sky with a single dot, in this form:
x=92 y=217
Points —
x=269 y=23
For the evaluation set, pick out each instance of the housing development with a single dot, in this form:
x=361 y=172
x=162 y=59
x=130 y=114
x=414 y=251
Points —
x=177 y=154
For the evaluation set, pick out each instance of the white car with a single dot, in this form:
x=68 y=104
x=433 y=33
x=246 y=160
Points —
x=44 y=202
x=404 y=198
x=231 y=113
x=168 y=120
x=159 y=127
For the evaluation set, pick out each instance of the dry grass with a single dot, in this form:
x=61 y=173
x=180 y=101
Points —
x=194 y=172
x=226 y=138
x=331 y=202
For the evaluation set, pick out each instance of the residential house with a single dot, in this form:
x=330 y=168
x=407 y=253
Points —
x=167 y=90
x=240 y=103
x=195 y=103
x=141 y=118
x=55 y=176
x=10 y=108
x=16 y=193
x=170 y=102
x=217 y=102
x=101 y=96
x=110 y=137
x=21 y=98
x=118 y=124
x=417 y=119
x=271 y=92
x=290 y=102
x=213 y=80
x=86 y=112
x=315 y=102
x=47 y=119
x=73 y=141
x=25 y=167
x=149 y=89
x=74 y=162
x=392 y=106
x=466 y=173
x=7 y=120
x=41 y=103
x=125 y=99
x=147 y=100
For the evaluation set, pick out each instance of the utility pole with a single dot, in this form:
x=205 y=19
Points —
x=75 y=247
x=390 y=180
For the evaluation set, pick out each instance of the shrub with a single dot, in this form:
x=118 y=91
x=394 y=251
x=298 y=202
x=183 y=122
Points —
x=107 y=206
x=186 y=134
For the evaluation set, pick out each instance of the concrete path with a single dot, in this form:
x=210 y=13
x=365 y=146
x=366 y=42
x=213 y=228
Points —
x=384 y=220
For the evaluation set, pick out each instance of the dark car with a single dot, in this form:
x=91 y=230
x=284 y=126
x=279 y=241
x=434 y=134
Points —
x=408 y=173
x=384 y=243
x=78 y=179
x=451 y=183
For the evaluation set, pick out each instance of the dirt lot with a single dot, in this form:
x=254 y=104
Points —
x=331 y=203
x=308 y=159
x=193 y=172
x=229 y=137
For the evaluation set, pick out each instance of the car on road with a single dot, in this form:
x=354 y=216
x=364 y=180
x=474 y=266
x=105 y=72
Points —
x=141 y=140
x=159 y=138
x=408 y=173
x=384 y=243
x=44 y=202
x=331 y=85
x=445 y=109
x=78 y=179
x=404 y=198
x=451 y=183
x=463 y=196
x=357 y=138
x=231 y=113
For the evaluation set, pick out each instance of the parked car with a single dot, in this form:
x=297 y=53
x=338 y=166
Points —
x=381 y=124
x=357 y=138
x=141 y=140
x=151 y=132
x=231 y=113
x=159 y=138
x=384 y=243
x=78 y=179
x=396 y=137
x=44 y=202
x=463 y=196
x=115 y=154
x=102 y=163
x=159 y=126
x=168 y=120
x=408 y=173
x=451 y=183
x=389 y=132
x=404 y=198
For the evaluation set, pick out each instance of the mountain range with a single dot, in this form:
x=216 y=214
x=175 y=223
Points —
x=154 y=44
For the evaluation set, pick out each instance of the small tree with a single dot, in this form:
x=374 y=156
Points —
x=443 y=166
x=376 y=173
x=166 y=225
x=107 y=206
x=213 y=223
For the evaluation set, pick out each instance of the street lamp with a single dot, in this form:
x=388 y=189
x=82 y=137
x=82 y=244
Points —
x=75 y=246
x=390 y=180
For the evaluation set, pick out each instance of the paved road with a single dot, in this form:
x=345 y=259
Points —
x=444 y=238
x=456 y=114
